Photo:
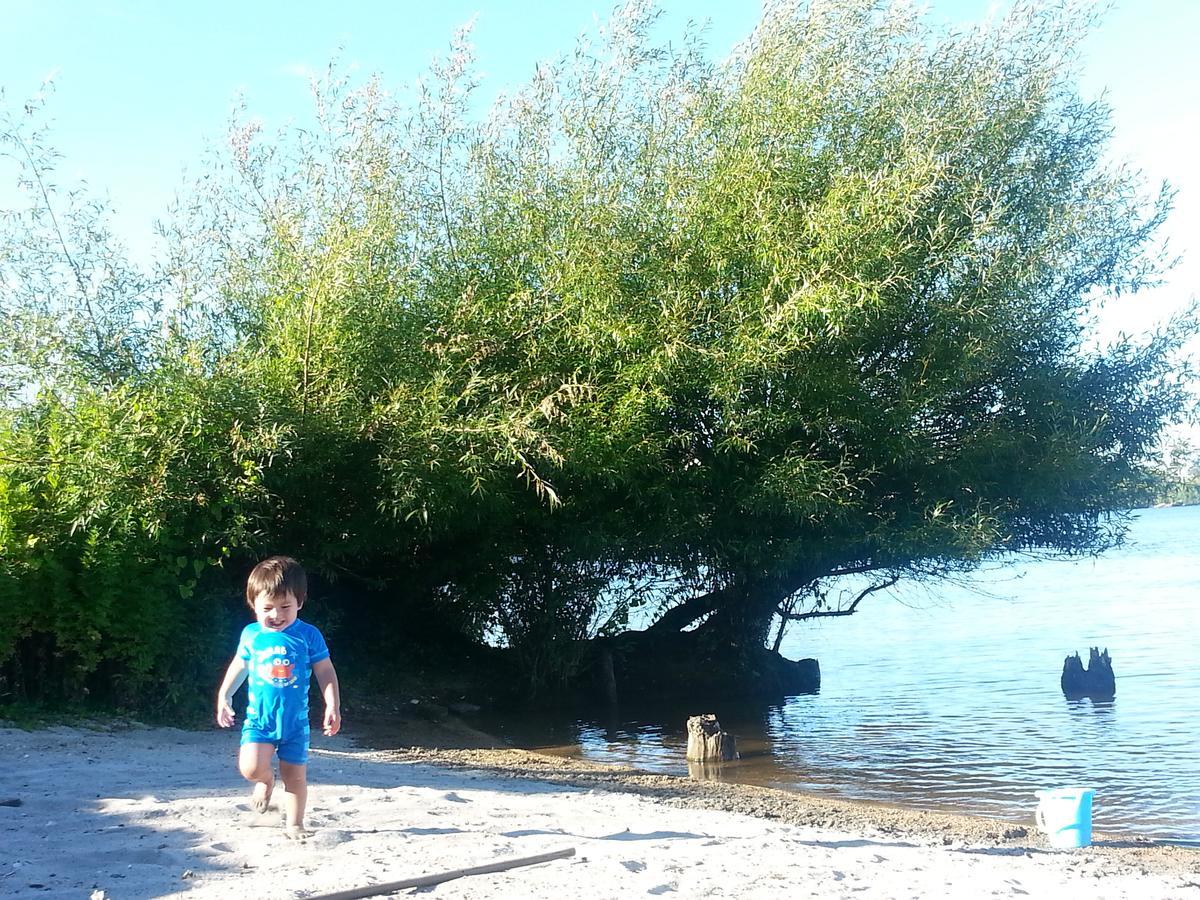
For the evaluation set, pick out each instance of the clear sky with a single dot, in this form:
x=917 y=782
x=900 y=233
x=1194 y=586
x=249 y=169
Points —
x=142 y=85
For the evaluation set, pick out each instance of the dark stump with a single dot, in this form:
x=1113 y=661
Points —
x=1096 y=681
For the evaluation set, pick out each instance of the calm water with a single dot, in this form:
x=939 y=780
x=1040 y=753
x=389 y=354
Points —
x=950 y=699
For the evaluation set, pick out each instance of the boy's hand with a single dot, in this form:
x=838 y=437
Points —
x=225 y=713
x=333 y=721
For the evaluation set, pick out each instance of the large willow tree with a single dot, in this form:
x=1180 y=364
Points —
x=655 y=332
x=822 y=310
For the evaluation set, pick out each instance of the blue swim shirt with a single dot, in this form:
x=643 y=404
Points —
x=279 y=664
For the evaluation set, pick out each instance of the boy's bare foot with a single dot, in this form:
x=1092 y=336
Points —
x=260 y=799
x=296 y=833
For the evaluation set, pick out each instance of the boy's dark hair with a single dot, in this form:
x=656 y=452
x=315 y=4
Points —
x=277 y=575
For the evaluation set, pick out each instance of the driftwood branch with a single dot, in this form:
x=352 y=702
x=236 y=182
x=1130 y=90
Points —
x=390 y=887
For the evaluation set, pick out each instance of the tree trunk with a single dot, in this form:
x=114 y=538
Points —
x=745 y=615
x=741 y=612
x=608 y=677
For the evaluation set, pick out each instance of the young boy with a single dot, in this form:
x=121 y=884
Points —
x=277 y=654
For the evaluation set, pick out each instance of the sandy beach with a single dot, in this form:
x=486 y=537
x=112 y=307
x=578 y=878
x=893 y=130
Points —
x=135 y=812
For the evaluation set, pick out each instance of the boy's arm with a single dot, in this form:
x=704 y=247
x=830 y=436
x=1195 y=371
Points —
x=328 y=681
x=234 y=676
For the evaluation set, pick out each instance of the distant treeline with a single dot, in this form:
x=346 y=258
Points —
x=1177 y=478
x=1178 y=493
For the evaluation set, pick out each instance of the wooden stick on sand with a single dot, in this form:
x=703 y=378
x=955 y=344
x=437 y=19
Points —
x=376 y=890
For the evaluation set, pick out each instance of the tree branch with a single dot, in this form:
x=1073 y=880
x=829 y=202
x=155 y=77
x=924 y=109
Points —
x=788 y=616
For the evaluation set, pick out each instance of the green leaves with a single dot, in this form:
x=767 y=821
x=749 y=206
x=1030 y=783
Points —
x=732 y=329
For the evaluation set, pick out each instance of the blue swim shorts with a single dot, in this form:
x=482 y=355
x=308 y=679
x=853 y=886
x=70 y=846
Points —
x=292 y=749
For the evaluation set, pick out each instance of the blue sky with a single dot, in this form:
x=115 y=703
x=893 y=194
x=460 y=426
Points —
x=141 y=86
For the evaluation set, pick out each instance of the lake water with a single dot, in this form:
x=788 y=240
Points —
x=948 y=698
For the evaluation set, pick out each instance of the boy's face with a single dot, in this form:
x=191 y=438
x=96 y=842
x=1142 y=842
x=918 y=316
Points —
x=276 y=612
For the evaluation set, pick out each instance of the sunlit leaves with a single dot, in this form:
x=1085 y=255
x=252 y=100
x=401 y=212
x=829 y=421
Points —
x=821 y=308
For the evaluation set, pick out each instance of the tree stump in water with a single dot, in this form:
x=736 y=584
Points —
x=706 y=740
x=1096 y=681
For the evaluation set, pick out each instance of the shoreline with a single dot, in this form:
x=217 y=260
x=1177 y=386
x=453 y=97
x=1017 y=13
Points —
x=454 y=742
x=796 y=807
x=135 y=811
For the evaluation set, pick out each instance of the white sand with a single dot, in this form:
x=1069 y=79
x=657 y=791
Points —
x=162 y=812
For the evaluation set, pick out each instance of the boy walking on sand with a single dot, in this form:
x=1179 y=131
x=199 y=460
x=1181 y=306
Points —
x=277 y=653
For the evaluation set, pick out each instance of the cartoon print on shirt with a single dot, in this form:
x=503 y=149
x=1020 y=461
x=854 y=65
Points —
x=275 y=667
x=281 y=670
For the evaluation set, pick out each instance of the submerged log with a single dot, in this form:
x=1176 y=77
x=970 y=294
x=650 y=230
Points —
x=706 y=740
x=1096 y=681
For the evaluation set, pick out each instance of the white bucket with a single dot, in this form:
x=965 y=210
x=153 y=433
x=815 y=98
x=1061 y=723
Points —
x=1064 y=815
